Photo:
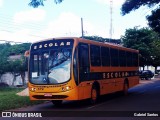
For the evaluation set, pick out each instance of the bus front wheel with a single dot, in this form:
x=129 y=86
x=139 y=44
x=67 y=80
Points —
x=57 y=103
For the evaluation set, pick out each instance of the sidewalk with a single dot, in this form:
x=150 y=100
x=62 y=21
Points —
x=157 y=76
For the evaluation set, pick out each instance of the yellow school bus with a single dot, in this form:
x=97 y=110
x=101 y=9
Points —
x=76 y=68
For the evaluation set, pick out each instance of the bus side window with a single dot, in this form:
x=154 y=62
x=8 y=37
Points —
x=95 y=55
x=129 y=59
x=83 y=56
x=105 y=54
x=135 y=59
x=114 y=57
x=122 y=58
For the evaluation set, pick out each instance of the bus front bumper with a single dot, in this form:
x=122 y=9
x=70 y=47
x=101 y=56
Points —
x=67 y=95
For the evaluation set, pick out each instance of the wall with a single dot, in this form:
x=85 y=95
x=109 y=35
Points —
x=8 y=79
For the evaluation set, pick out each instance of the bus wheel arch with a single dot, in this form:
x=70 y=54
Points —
x=125 y=86
x=95 y=92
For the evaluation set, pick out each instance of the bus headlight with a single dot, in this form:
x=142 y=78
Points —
x=67 y=88
x=32 y=89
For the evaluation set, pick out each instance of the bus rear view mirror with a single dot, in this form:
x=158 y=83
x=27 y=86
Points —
x=26 y=54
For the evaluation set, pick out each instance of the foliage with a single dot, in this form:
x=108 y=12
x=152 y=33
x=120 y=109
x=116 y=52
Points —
x=3 y=67
x=101 y=39
x=156 y=52
x=95 y=38
x=142 y=39
x=7 y=49
x=130 y=5
x=153 y=19
x=18 y=48
x=13 y=66
x=9 y=99
x=4 y=49
x=37 y=3
x=3 y=58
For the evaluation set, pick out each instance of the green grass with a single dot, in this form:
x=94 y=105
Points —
x=9 y=99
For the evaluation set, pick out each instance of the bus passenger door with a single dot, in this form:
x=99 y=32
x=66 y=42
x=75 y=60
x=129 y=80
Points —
x=84 y=69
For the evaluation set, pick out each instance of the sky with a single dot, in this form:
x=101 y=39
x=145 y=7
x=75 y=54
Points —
x=20 y=22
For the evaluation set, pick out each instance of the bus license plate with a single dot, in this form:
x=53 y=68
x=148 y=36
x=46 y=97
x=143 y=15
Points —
x=48 y=95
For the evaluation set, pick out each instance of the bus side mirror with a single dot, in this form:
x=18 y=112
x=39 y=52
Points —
x=26 y=54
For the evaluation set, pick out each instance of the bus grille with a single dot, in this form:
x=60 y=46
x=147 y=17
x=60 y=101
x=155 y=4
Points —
x=48 y=97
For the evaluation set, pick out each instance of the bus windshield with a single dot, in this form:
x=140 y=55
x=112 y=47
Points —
x=50 y=66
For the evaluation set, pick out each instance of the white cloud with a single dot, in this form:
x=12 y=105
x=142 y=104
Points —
x=67 y=24
x=33 y=15
x=115 y=2
x=1 y=3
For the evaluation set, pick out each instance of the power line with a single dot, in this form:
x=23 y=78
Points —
x=10 y=19
x=8 y=26
x=11 y=25
x=27 y=34
x=7 y=22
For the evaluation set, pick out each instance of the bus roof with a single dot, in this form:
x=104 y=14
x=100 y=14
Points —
x=91 y=42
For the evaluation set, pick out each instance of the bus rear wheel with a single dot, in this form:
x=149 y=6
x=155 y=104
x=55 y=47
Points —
x=57 y=103
x=125 y=89
x=94 y=95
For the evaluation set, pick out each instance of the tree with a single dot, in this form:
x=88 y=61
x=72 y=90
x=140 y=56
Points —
x=3 y=58
x=3 y=67
x=37 y=3
x=95 y=38
x=156 y=53
x=18 y=48
x=141 y=39
x=153 y=19
x=17 y=67
x=101 y=39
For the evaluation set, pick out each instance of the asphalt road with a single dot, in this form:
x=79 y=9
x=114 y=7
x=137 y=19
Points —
x=144 y=100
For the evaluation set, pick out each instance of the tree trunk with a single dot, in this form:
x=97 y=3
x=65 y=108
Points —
x=155 y=70
x=14 y=79
x=0 y=79
x=23 y=77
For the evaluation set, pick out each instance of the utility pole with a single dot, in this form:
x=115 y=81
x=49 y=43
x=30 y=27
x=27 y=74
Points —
x=111 y=20
x=82 y=27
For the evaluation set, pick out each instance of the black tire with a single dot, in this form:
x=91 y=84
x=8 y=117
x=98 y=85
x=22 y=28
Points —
x=57 y=103
x=125 y=89
x=94 y=95
x=146 y=78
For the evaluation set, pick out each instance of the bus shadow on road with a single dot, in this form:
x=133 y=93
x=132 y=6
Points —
x=86 y=103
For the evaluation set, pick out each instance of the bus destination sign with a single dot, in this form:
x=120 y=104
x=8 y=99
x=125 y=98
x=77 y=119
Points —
x=52 y=44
